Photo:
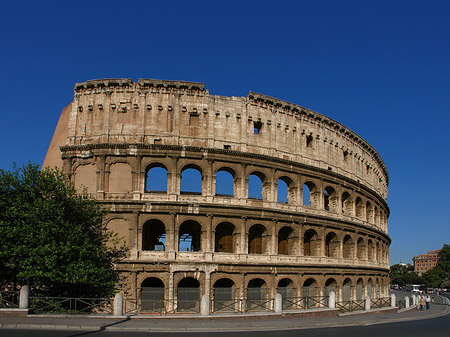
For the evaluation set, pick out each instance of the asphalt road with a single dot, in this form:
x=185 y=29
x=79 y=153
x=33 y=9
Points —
x=436 y=327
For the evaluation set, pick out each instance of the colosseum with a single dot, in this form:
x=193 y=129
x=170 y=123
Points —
x=236 y=198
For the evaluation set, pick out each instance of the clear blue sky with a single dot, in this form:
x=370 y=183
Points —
x=381 y=68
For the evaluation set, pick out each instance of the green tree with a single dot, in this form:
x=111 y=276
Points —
x=53 y=238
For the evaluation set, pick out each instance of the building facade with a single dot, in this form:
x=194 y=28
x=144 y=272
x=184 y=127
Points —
x=425 y=262
x=232 y=197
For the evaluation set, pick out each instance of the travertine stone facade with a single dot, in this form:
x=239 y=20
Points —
x=115 y=134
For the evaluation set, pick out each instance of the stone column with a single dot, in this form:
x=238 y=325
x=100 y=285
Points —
x=24 y=297
x=367 y=303
x=205 y=305
x=118 y=305
x=278 y=305
x=392 y=300
x=407 y=302
x=332 y=300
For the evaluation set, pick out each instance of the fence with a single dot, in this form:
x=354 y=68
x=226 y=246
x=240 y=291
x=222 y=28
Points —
x=350 y=306
x=71 y=305
x=9 y=299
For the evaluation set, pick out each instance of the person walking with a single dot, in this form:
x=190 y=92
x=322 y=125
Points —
x=428 y=302
x=422 y=303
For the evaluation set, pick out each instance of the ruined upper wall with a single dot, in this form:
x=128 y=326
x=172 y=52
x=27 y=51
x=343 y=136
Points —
x=183 y=113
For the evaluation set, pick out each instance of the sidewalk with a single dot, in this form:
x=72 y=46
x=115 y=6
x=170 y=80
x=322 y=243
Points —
x=312 y=319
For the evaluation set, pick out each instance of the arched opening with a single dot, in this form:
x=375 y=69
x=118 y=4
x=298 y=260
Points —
x=257 y=239
x=154 y=235
x=331 y=245
x=309 y=292
x=256 y=295
x=224 y=242
x=255 y=186
x=282 y=191
x=359 y=290
x=330 y=286
x=348 y=247
x=369 y=288
x=370 y=251
x=378 y=252
x=188 y=295
x=224 y=295
x=347 y=290
x=225 y=182
x=369 y=212
x=359 y=208
x=191 y=180
x=309 y=194
x=360 y=249
x=287 y=291
x=311 y=243
x=152 y=295
x=329 y=199
x=346 y=204
x=189 y=236
x=285 y=244
x=156 y=179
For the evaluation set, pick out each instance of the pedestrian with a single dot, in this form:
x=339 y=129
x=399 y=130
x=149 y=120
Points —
x=422 y=303
x=428 y=302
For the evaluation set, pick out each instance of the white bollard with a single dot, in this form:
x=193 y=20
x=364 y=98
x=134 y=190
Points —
x=278 y=305
x=205 y=305
x=118 y=305
x=367 y=303
x=407 y=302
x=393 y=300
x=24 y=298
x=332 y=300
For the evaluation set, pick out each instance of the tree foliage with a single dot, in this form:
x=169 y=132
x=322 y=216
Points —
x=53 y=238
x=402 y=274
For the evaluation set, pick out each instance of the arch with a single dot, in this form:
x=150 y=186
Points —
x=257 y=239
x=309 y=194
x=347 y=288
x=256 y=295
x=121 y=231
x=360 y=247
x=309 y=291
x=370 y=288
x=156 y=178
x=286 y=289
x=330 y=286
x=329 y=198
x=85 y=177
x=189 y=236
x=188 y=295
x=359 y=289
x=224 y=295
x=359 y=207
x=255 y=185
x=282 y=192
x=153 y=235
x=370 y=250
x=331 y=245
x=369 y=212
x=152 y=295
x=120 y=178
x=225 y=182
x=224 y=238
x=346 y=203
x=285 y=241
x=288 y=190
x=191 y=180
x=348 y=247
x=378 y=252
x=311 y=243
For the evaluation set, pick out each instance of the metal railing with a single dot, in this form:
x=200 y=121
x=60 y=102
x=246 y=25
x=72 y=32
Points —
x=382 y=302
x=70 y=305
x=350 y=306
x=9 y=299
x=305 y=303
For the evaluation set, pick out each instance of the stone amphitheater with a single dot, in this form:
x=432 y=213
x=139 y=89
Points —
x=236 y=198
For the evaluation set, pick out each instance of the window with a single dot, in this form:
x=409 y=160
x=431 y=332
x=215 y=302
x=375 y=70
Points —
x=257 y=127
